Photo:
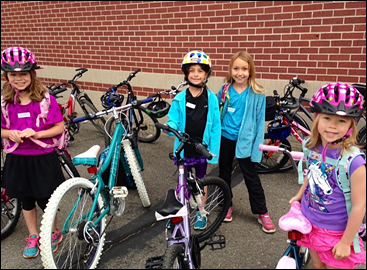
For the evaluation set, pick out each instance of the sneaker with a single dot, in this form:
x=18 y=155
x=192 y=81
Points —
x=31 y=250
x=56 y=239
x=228 y=217
x=200 y=222
x=268 y=225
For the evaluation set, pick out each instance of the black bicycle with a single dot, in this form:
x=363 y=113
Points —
x=144 y=117
x=85 y=102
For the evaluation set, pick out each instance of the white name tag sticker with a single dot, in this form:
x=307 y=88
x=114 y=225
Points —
x=24 y=115
x=190 y=105
x=231 y=109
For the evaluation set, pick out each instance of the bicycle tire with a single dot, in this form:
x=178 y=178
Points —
x=148 y=132
x=174 y=257
x=87 y=108
x=303 y=256
x=10 y=213
x=10 y=207
x=68 y=165
x=362 y=138
x=73 y=251
x=216 y=204
x=272 y=163
x=135 y=171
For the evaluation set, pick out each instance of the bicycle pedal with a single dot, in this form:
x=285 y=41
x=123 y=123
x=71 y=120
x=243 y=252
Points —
x=217 y=242
x=119 y=192
x=154 y=263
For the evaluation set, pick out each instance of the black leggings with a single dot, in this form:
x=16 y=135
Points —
x=252 y=180
x=29 y=203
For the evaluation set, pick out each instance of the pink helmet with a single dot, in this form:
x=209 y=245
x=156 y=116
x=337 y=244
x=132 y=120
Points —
x=337 y=99
x=18 y=59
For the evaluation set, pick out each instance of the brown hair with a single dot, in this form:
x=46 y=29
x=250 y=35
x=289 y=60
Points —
x=245 y=56
x=36 y=88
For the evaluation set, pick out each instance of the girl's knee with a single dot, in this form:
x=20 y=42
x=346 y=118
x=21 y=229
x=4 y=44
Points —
x=316 y=262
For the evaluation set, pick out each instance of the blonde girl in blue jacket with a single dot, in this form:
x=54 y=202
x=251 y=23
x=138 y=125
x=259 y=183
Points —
x=195 y=111
x=242 y=106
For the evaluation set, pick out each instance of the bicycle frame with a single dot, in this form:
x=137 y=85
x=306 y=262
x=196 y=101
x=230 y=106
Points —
x=113 y=157
x=181 y=233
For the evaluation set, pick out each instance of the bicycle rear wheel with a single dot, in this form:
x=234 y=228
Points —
x=88 y=108
x=174 y=257
x=216 y=200
x=81 y=245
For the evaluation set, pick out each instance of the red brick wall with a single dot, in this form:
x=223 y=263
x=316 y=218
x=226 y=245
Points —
x=315 y=40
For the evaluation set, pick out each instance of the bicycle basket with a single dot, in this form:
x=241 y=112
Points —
x=278 y=130
x=270 y=109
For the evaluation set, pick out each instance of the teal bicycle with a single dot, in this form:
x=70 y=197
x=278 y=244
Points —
x=81 y=205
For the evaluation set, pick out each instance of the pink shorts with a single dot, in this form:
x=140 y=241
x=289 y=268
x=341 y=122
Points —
x=323 y=241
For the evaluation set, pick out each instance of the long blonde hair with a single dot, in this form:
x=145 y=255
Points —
x=36 y=88
x=315 y=138
x=245 y=56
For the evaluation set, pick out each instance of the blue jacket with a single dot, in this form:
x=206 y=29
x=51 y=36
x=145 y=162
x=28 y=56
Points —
x=212 y=132
x=252 y=128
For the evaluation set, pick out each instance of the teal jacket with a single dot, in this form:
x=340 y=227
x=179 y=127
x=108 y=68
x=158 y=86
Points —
x=212 y=132
x=252 y=128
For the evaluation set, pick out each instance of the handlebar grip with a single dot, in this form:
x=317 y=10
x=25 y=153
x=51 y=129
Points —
x=84 y=118
x=297 y=155
x=271 y=148
x=201 y=149
x=161 y=126
x=58 y=91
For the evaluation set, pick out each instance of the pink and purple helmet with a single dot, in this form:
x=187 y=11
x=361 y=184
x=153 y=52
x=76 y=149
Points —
x=337 y=99
x=18 y=59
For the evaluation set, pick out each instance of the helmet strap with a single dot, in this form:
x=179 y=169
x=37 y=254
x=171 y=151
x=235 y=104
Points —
x=349 y=132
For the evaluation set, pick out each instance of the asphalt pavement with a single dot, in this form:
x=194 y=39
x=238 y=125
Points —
x=136 y=235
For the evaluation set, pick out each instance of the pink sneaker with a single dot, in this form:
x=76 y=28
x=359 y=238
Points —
x=268 y=225
x=228 y=217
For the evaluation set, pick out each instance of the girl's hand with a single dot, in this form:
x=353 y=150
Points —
x=28 y=132
x=15 y=136
x=295 y=198
x=341 y=251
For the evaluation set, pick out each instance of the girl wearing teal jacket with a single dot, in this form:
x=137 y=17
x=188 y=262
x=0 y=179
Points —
x=242 y=105
x=195 y=111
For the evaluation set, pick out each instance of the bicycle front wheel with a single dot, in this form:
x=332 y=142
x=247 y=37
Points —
x=216 y=200
x=135 y=171
x=82 y=243
x=10 y=213
x=88 y=108
x=67 y=165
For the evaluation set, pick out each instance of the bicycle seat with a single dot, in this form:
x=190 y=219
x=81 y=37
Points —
x=171 y=207
x=286 y=262
x=295 y=220
x=89 y=157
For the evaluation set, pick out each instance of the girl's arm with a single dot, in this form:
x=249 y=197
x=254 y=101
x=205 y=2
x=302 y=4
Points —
x=358 y=197
x=300 y=192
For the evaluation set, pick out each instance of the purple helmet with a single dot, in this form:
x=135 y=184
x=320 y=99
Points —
x=337 y=99
x=18 y=59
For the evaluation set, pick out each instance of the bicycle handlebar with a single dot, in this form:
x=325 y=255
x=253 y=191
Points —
x=91 y=116
x=293 y=155
x=184 y=138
